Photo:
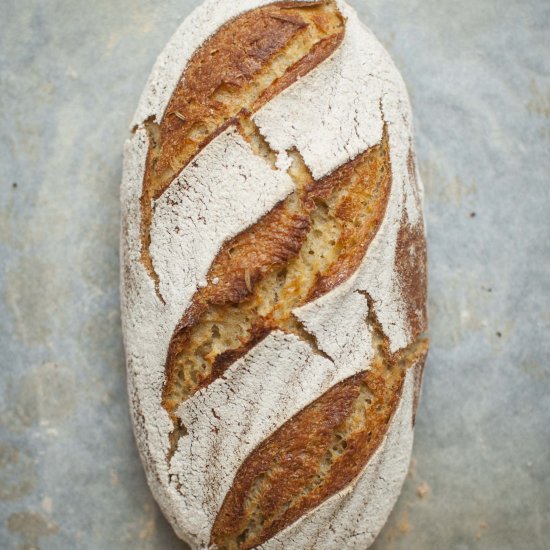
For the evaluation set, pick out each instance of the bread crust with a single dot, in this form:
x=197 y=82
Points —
x=317 y=452
x=272 y=232
x=226 y=68
x=279 y=237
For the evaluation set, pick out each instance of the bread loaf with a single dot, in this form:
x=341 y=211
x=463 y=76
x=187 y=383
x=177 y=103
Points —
x=273 y=277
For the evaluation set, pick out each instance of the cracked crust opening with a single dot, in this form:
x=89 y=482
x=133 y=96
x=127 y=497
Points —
x=248 y=61
x=318 y=452
x=308 y=244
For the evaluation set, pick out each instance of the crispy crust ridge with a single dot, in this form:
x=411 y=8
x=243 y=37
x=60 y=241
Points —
x=307 y=245
x=317 y=452
x=250 y=59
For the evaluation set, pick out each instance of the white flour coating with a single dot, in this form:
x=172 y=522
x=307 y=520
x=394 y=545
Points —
x=233 y=415
x=198 y=27
x=330 y=116
x=249 y=189
x=220 y=193
x=377 y=274
x=338 y=321
x=147 y=327
x=352 y=518
x=147 y=324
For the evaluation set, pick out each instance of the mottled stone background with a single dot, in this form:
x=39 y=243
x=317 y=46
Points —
x=71 y=73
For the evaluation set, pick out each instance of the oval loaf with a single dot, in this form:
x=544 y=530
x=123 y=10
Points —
x=273 y=277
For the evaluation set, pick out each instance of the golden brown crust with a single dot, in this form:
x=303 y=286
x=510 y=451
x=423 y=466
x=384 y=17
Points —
x=227 y=77
x=346 y=206
x=226 y=62
x=410 y=263
x=320 y=51
x=282 y=467
x=316 y=453
x=245 y=259
x=360 y=214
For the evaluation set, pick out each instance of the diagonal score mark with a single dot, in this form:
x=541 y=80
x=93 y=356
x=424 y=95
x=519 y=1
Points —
x=319 y=451
x=247 y=62
x=309 y=243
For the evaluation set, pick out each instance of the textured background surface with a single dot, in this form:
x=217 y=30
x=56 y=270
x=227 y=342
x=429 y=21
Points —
x=478 y=72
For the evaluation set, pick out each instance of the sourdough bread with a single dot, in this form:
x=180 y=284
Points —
x=273 y=277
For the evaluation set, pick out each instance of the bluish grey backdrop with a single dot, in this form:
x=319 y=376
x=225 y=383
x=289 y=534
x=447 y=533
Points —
x=478 y=72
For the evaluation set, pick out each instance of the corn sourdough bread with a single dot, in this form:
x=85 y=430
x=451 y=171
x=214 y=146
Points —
x=274 y=277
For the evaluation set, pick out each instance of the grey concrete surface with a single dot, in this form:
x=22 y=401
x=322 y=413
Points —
x=478 y=72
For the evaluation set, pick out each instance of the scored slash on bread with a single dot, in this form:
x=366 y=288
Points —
x=247 y=62
x=272 y=223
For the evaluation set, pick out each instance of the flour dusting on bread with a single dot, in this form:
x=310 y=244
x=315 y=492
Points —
x=272 y=253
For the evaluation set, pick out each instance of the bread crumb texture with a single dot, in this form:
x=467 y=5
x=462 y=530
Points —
x=274 y=277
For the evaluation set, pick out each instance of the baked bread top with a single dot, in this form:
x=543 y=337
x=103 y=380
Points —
x=274 y=280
